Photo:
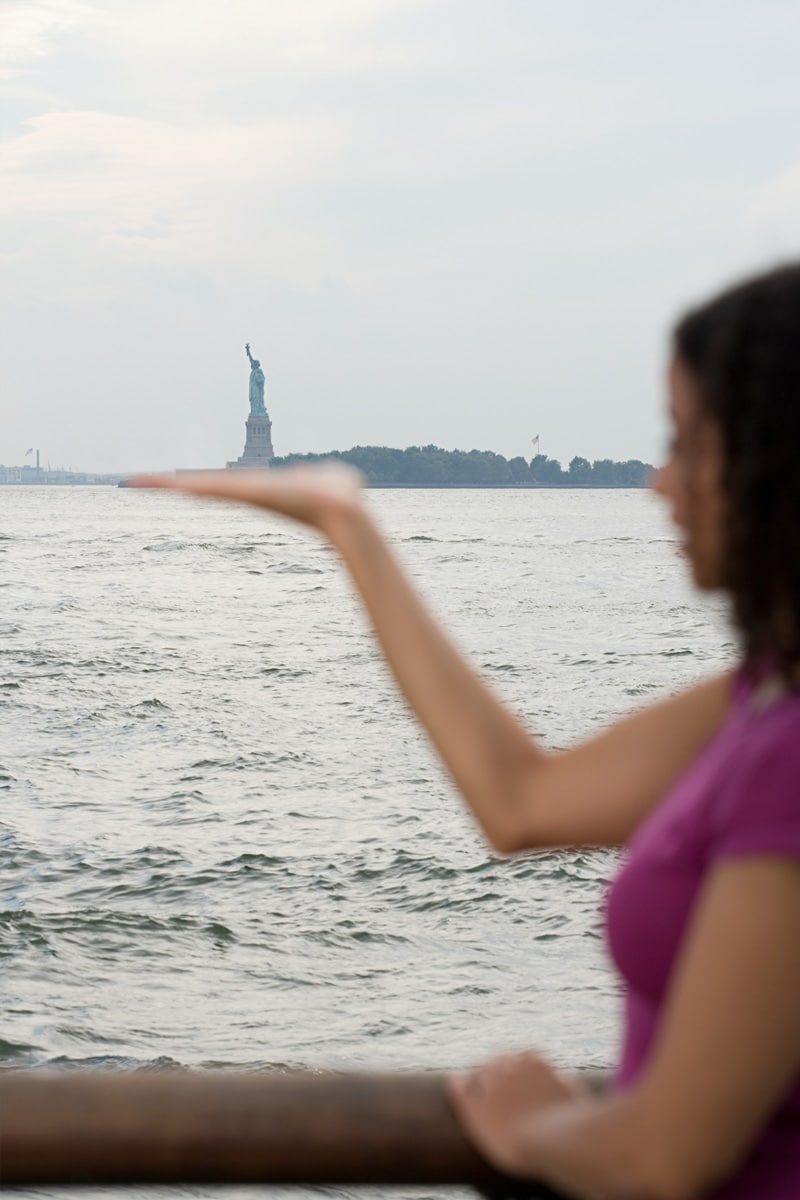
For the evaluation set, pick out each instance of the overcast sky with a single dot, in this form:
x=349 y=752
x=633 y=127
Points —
x=464 y=222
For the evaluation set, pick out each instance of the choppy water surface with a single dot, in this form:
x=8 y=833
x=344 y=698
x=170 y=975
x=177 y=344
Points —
x=224 y=841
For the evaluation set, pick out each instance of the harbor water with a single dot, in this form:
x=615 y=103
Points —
x=223 y=839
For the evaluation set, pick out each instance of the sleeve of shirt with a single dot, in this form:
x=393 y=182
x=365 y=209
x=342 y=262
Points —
x=758 y=808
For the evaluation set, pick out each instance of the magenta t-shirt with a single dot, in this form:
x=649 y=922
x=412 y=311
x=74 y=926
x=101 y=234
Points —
x=740 y=797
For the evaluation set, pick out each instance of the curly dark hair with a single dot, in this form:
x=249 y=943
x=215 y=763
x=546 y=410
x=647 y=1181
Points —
x=743 y=349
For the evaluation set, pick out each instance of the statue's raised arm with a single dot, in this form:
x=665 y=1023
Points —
x=256 y=386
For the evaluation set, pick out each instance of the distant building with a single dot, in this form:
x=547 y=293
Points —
x=56 y=478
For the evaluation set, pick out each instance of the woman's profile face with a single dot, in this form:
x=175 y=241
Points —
x=690 y=480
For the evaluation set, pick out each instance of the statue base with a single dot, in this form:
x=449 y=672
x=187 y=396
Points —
x=258 y=450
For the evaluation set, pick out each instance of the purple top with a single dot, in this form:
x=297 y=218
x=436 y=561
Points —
x=740 y=797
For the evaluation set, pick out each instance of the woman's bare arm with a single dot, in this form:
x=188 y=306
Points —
x=522 y=796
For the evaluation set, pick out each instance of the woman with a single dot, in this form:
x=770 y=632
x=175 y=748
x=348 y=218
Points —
x=703 y=789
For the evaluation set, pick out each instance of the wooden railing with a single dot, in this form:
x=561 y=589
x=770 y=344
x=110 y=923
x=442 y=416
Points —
x=193 y=1127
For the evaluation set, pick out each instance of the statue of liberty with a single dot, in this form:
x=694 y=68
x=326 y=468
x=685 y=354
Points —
x=257 y=408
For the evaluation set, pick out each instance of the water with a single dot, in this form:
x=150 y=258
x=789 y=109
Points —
x=223 y=841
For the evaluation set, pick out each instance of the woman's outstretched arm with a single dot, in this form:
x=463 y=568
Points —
x=522 y=796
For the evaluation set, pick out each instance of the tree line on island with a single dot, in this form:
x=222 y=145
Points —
x=431 y=466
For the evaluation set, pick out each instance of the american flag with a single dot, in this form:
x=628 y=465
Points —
x=27 y=452
x=535 y=441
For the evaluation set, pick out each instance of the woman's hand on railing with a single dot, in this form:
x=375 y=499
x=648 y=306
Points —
x=496 y=1103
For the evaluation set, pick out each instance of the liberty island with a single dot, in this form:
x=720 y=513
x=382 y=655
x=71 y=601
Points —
x=383 y=466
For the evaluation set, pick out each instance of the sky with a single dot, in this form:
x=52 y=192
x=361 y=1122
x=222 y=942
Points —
x=460 y=222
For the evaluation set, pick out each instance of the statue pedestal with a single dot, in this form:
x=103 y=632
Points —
x=258 y=450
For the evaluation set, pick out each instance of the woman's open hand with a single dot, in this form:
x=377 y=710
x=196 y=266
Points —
x=497 y=1102
x=313 y=495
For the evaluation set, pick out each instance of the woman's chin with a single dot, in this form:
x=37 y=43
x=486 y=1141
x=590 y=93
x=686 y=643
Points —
x=705 y=576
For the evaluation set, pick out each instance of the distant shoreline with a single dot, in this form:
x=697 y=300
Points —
x=420 y=467
x=510 y=487
x=389 y=487
x=433 y=467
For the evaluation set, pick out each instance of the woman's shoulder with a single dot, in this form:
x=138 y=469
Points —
x=758 y=808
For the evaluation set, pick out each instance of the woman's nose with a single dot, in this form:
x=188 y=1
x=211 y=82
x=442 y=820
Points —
x=659 y=481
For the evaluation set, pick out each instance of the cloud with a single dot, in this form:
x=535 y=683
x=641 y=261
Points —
x=153 y=186
x=773 y=211
x=311 y=35
x=29 y=28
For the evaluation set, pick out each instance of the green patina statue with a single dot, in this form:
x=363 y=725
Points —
x=257 y=408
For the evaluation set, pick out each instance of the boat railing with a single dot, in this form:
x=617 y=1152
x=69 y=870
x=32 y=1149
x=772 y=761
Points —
x=168 y=1127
